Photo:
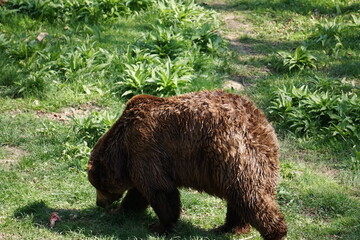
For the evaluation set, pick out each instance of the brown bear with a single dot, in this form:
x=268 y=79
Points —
x=211 y=141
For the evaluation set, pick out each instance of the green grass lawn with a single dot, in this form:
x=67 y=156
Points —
x=298 y=60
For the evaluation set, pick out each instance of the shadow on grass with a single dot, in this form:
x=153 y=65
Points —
x=94 y=222
x=259 y=53
x=349 y=67
x=255 y=54
x=304 y=7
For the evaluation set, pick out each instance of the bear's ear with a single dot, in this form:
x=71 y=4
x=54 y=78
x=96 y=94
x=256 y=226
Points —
x=90 y=166
x=93 y=173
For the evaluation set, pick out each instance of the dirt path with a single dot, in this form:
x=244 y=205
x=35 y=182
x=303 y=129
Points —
x=236 y=27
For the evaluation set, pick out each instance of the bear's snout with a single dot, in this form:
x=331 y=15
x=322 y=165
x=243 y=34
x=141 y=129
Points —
x=104 y=200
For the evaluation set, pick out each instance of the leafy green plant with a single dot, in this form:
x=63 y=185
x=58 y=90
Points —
x=299 y=60
x=37 y=8
x=206 y=38
x=183 y=14
x=161 y=78
x=330 y=33
x=22 y=49
x=316 y=112
x=85 y=132
x=329 y=30
x=9 y=78
x=91 y=127
x=170 y=78
x=163 y=63
x=76 y=155
x=137 y=5
x=137 y=55
x=334 y=85
x=334 y=33
x=354 y=162
x=165 y=42
x=83 y=10
x=4 y=42
x=35 y=84
x=133 y=80
x=192 y=23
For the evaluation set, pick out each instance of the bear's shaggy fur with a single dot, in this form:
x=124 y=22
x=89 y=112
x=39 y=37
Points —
x=210 y=141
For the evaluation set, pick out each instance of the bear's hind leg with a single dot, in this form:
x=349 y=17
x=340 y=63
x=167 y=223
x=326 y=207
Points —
x=167 y=207
x=134 y=201
x=234 y=222
x=265 y=216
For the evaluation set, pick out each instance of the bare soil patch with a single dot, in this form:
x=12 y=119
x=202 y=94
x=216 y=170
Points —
x=65 y=114
x=12 y=155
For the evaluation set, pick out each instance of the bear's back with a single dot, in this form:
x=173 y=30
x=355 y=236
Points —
x=198 y=137
x=198 y=119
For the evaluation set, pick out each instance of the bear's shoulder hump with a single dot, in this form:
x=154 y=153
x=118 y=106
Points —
x=143 y=98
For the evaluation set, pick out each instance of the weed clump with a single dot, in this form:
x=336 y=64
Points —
x=74 y=10
x=180 y=47
x=167 y=60
x=298 y=61
x=323 y=108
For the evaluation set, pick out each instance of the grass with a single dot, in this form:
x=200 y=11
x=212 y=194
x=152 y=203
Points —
x=87 y=64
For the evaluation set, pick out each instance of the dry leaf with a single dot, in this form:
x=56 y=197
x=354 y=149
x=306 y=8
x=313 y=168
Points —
x=41 y=36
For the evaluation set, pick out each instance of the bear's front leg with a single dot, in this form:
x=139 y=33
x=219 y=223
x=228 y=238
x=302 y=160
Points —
x=167 y=207
x=134 y=201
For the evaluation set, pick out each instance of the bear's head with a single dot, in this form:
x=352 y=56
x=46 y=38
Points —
x=106 y=192
x=107 y=170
